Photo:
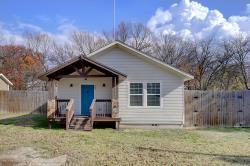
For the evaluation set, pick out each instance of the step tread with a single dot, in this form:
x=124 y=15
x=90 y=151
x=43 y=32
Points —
x=82 y=128
x=80 y=123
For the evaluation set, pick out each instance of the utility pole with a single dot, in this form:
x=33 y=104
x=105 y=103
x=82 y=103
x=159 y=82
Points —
x=114 y=36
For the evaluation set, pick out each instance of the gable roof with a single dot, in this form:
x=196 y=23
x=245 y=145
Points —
x=143 y=56
x=68 y=67
x=5 y=79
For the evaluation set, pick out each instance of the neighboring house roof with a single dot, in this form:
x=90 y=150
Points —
x=5 y=79
x=142 y=55
x=76 y=61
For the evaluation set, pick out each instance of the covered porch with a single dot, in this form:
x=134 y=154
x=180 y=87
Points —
x=82 y=92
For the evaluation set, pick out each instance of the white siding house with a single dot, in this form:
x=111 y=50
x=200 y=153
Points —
x=5 y=83
x=171 y=108
x=149 y=92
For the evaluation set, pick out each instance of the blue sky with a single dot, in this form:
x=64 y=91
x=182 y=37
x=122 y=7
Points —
x=96 y=15
x=57 y=16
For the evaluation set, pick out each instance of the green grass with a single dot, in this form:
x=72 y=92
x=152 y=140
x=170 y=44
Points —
x=126 y=147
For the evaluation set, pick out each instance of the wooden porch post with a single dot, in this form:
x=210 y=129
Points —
x=115 y=82
x=52 y=89
x=113 y=87
x=51 y=105
x=115 y=108
x=116 y=87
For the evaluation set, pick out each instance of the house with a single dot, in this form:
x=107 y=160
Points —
x=119 y=84
x=5 y=83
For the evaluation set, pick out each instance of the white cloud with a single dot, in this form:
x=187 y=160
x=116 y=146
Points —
x=7 y=36
x=193 y=20
x=29 y=27
x=14 y=33
x=248 y=9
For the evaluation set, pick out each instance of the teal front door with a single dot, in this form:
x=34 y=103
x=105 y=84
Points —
x=87 y=96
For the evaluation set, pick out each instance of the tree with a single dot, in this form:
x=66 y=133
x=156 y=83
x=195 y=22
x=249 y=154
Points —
x=123 y=32
x=61 y=53
x=86 y=42
x=20 y=65
x=136 y=35
x=40 y=43
x=171 y=49
x=203 y=62
x=241 y=50
x=141 y=37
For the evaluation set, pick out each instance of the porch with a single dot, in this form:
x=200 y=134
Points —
x=83 y=93
x=101 y=110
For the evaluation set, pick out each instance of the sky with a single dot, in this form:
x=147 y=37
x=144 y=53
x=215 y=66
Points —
x=184 y=17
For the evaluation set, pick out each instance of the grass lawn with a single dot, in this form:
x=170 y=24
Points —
x=128 y=146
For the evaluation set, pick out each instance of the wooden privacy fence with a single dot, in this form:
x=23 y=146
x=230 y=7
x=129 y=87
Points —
x=217 y=108
x=23 y=101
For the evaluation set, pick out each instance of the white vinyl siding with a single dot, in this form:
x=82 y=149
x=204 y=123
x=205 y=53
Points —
x=140 y=70
x=100 y=92
x=3 y=85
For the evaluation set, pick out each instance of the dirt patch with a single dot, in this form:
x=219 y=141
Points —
x=28 y=156
x=8 y=162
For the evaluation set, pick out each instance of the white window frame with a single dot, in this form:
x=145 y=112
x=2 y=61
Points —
x=146 y=87
x=144 y=94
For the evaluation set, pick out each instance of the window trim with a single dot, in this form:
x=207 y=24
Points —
x=151 y=106
x=144 y=94
x=129 y=94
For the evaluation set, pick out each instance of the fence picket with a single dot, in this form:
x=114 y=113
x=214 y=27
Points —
x=217 y=108
x=23 y=101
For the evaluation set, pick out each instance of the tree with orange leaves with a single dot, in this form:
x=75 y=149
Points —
x=20 y=65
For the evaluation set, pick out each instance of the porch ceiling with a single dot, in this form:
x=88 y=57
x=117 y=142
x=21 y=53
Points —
x=81 y=65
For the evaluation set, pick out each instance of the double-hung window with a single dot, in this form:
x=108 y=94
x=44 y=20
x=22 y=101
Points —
x=153 y=94
x=136 y=94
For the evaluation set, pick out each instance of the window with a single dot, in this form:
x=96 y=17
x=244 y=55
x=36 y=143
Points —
x=136 y=94
x=153 y=94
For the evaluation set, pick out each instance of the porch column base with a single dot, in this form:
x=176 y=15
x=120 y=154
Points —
x=117 y=125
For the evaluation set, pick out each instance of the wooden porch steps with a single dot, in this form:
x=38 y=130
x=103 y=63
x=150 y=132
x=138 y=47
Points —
x=80 y=123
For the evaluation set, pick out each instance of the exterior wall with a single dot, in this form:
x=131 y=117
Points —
x=138 y=70
x=3 y=85
x=100 y=92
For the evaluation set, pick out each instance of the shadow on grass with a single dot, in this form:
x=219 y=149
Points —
x=229 y=129
x=33 y=120
x=233 y=159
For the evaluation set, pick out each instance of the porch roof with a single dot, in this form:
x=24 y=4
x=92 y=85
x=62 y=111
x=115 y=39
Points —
x=77 y=63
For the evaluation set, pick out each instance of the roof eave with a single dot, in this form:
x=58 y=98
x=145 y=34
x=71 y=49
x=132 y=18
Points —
x=44 y=76
x=6 y=79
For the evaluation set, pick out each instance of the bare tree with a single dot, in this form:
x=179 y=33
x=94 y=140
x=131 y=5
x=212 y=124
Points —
x=86 y=43
x=123 y=32
x=108 y=36
x=40 y=43
x=141 y=37
x=136 y=35
x=171 y=49
x=203 y=59
x=241 y=51
x=61 y=53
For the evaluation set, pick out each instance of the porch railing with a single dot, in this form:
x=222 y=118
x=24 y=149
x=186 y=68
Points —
x=100 y=108
x=61 y=108
x=61 y=105
x=103 y=107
